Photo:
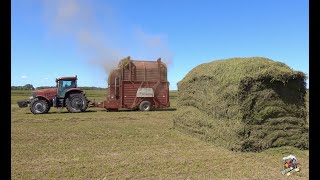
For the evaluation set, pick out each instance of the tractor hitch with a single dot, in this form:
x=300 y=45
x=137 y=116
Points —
x=23 y=104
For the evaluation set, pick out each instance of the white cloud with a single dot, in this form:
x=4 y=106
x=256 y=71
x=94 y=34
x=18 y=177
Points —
x=46 y=78
x=24 y=77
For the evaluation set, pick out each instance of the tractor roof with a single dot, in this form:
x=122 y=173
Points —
x=67 y=78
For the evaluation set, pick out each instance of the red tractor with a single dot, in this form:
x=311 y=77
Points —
x=66 y=94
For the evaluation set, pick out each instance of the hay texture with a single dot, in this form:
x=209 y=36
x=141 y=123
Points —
x=124 y=62
x=244 y=104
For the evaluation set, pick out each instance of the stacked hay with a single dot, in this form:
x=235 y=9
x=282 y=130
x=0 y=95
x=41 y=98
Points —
x=246 y=104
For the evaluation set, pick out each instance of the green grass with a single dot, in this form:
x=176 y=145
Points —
x=307 y=107
x=128 y=145
x=19 y=95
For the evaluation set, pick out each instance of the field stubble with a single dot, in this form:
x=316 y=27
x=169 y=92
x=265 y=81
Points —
x=128 y=144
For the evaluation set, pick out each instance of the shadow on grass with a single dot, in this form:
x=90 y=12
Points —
x=90 y=111
x=87 y=111
x=166 y=109
x=64 y=112
x=154 y=110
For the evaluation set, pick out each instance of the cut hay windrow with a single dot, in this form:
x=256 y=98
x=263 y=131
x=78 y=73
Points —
x=244 y=104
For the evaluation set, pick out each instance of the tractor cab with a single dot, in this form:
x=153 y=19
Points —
x=64 y=84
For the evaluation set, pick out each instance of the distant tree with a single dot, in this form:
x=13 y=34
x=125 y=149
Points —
x=25 y=87
x=15 y=87
x=28 y=87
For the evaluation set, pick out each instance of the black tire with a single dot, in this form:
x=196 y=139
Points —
x=76 y=103
x=38 y=106
x=145 y=106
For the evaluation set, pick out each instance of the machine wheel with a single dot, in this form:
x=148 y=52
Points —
x=38 y=106
x=76 y=103
x=145 y=106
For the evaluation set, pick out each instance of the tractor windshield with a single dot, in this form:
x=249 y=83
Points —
x=67 y=84
x=64 y=85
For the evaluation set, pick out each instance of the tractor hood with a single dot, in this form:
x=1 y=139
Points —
x=46 y=93
x=49 y=90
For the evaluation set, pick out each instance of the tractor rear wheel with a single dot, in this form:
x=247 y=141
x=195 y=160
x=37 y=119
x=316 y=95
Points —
x=145 y=106
x=76 y=103
x=38 y=106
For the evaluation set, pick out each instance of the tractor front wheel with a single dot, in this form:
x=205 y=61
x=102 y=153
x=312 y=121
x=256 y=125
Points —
x=38 y=106
x=76 y=103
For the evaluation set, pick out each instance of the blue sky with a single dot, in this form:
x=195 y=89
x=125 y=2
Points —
x=86 y=38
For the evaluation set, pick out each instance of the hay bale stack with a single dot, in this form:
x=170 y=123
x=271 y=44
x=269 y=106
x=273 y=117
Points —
x=246 y=104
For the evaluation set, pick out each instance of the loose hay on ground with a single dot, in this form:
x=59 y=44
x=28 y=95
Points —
x=246 y=104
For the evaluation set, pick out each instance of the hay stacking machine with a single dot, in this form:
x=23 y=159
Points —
x=134 y=85
x=137 y=84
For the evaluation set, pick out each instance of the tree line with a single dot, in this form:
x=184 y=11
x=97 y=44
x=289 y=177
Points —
x=30 y=87
x=25 y=87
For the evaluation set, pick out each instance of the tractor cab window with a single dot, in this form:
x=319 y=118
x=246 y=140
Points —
x=68 y=84
x=64 y=85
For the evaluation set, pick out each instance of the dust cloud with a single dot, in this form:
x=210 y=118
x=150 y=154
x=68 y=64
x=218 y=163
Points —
x=77 y=19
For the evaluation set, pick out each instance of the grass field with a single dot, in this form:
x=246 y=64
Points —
x=128 y=145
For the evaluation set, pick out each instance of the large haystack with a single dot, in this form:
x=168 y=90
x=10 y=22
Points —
x=246 y=104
